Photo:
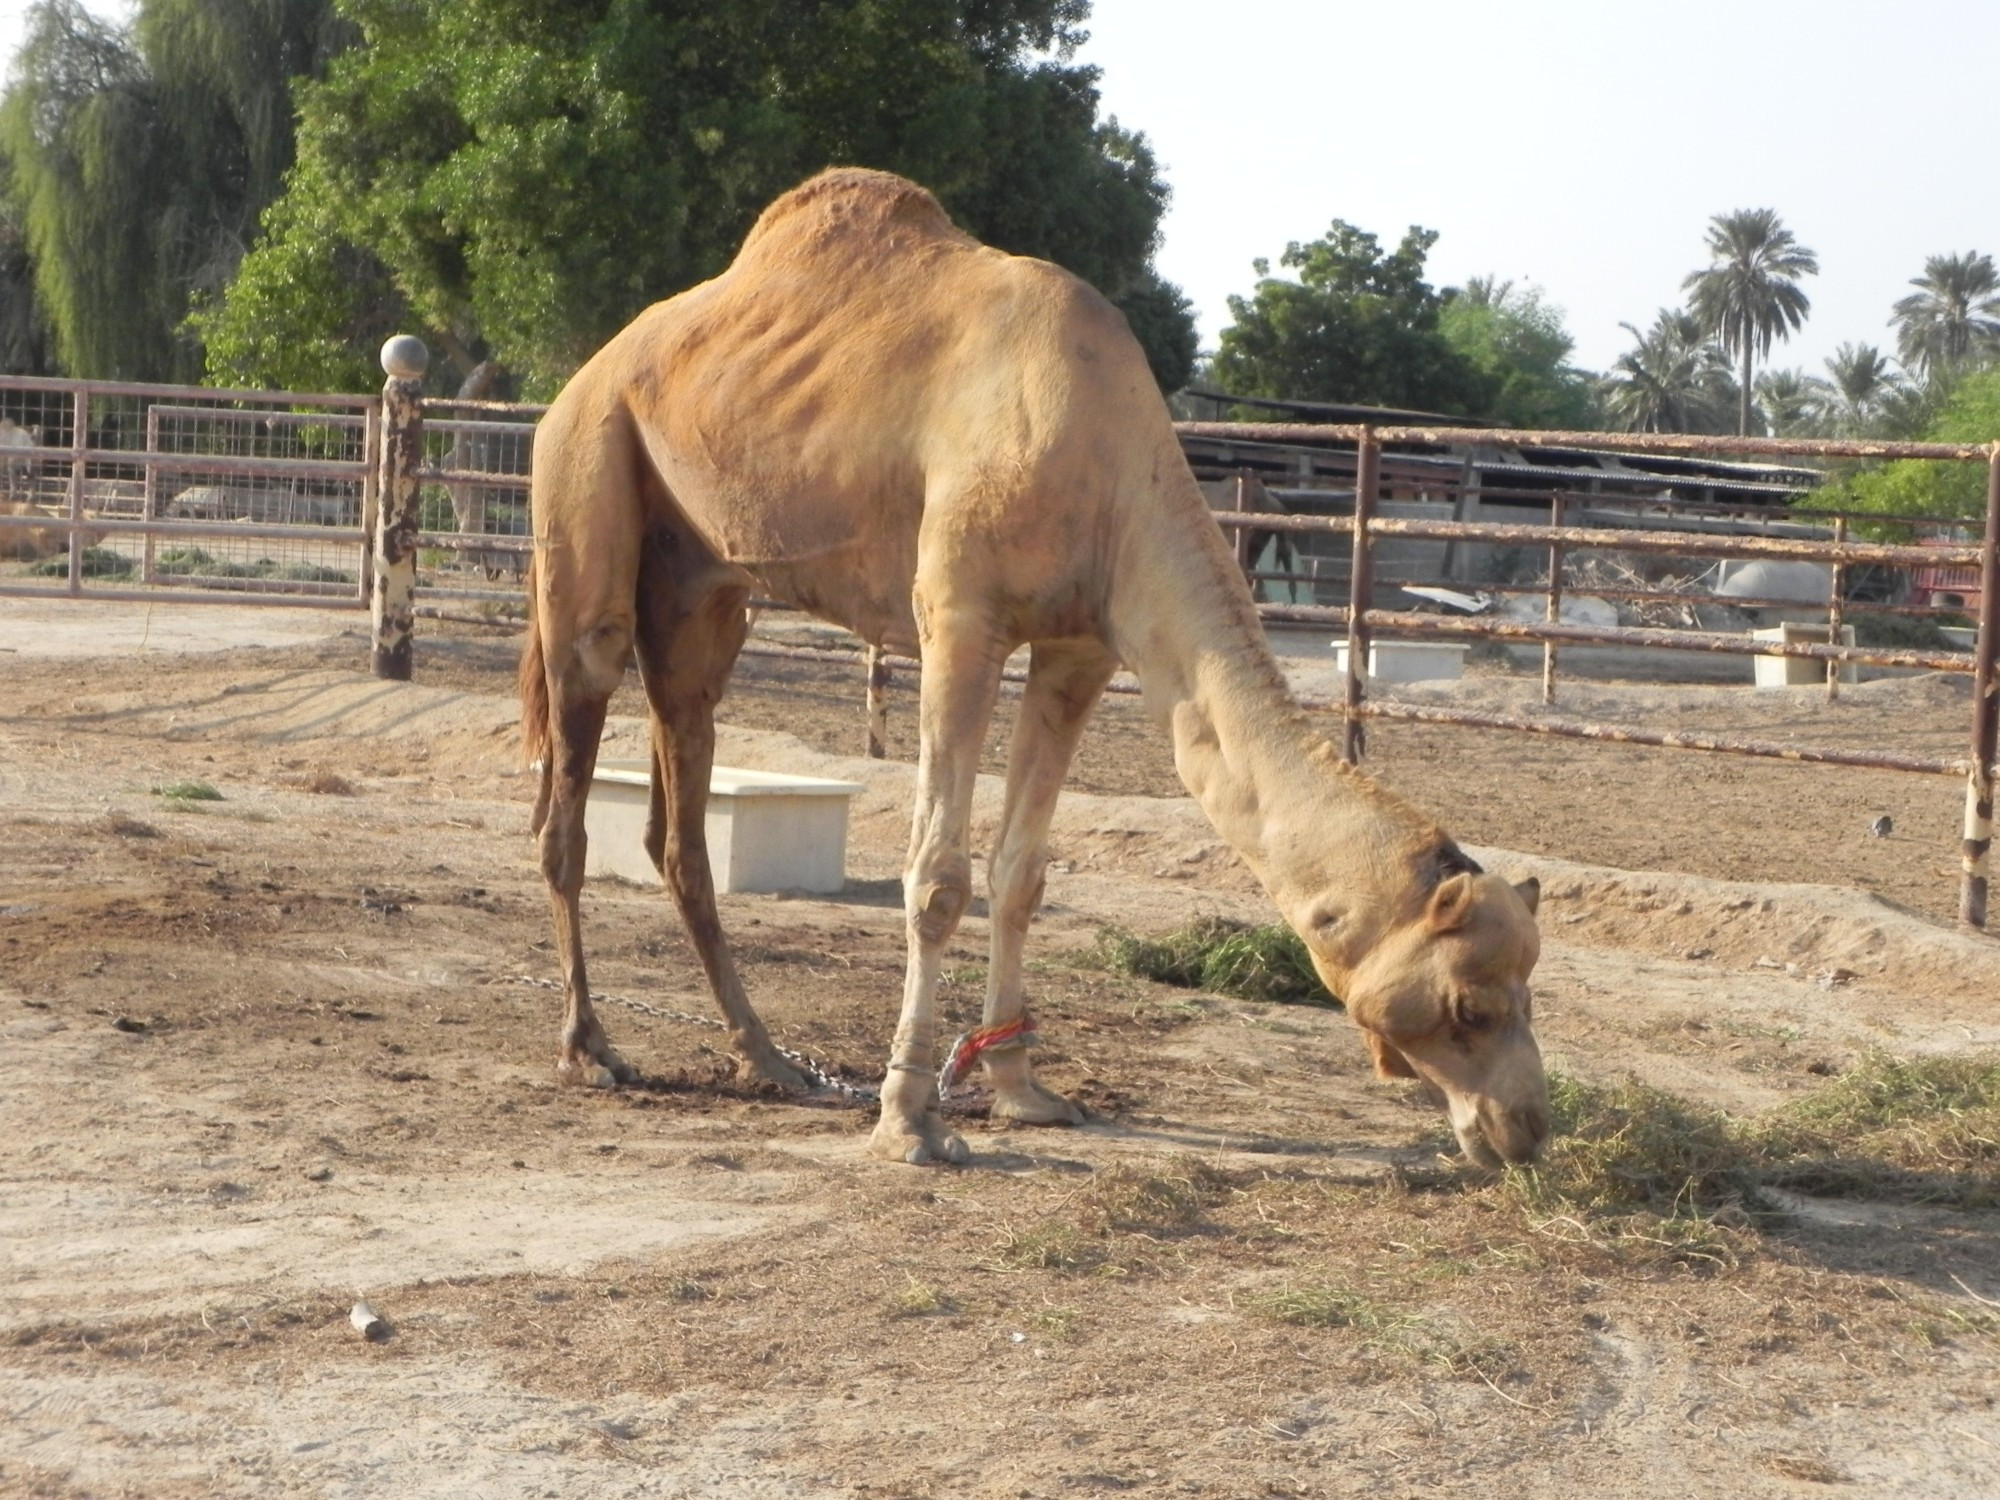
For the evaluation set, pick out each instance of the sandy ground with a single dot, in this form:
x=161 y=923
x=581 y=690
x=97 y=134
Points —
x=268 y=1054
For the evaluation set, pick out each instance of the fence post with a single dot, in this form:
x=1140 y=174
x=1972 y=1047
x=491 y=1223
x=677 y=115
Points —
x=371 y=495
x=1555 y=601
x=1836 y=597
x=79 y=444
x=1360 y=592
x=1244 y=504
x=149 y=502
x=1978 y=847
x=393 y=606
x=878 y=703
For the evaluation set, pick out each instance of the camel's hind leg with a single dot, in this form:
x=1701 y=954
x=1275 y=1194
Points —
x=588 y=527
x=961 y=676
x=686 y=649
x=582 y=676
x=1065 y=680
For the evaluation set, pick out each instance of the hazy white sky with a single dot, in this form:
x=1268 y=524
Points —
x=1579 y=144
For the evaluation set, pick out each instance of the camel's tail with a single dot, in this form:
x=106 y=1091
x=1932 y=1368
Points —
x=535 y=703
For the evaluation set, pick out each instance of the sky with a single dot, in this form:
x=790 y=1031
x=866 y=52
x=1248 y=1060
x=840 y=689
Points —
x=1579 y=145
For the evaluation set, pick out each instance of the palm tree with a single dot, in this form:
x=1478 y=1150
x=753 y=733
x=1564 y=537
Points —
x=1674 y=379
x=1852 y=399
x=1785 y=401
x=1750 y=294
x=1953 y=314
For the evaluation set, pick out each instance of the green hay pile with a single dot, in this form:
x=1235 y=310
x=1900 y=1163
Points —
x=1634 y=1168
x=1222 y=957
x=97 y=562
x=194 y=562
x=1922 y=1128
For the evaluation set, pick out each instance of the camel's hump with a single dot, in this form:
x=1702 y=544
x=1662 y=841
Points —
x=851 y=201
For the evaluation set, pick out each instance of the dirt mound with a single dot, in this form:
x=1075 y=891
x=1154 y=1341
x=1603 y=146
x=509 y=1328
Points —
x=1819 y=932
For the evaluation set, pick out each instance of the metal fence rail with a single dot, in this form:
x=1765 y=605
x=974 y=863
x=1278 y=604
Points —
x=127 y=491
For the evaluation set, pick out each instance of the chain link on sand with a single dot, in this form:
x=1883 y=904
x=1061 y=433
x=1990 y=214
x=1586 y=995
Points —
x=815 y=1073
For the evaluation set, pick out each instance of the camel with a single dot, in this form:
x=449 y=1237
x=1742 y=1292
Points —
x=954 y=452
x=17 y=478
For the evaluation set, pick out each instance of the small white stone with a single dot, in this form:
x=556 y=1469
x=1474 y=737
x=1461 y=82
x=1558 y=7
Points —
x=367 y=1323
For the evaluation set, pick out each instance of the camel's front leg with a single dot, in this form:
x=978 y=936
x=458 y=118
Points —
x=961 y=675
x=1065 y=680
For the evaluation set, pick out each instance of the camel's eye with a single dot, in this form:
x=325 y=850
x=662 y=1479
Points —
x=1467 y=1016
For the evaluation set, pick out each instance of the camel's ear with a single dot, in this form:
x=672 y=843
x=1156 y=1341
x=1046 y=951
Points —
x=1451 y=903
x=1530 y=892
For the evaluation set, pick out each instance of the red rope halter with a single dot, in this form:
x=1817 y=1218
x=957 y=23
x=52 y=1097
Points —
x=971 y=1044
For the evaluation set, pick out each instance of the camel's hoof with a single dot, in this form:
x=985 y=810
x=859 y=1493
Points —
x=929 y=1144
x=606 y=1071
x=1035 y=1105
x=755 y=1070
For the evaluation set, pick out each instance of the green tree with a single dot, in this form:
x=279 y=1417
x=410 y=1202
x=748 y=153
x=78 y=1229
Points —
x=24 y=332
x=1358 y=325
x=1516 y=339
x=1749 y=295
x=1857 y=394
x=1785 y=404
x=1952 y=319
x=141 y=157
x=520 y=177
x=1673 y=379
x=1970 y=414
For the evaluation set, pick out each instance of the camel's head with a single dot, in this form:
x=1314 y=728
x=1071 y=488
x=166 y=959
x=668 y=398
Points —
x=1443 y=998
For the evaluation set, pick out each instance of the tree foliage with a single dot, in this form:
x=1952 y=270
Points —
x=1786 y=404
x=140 y=157
x=1358 y=325
x=1516 y=340
x=1674 y=379
x=1970 y=414
x=1749 y=294
x=519 y=177
x=1952 y=320
x=24 y=331
x=1861 y=395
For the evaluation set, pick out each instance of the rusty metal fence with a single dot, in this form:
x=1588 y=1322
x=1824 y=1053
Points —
x=184 y=494
x=125 y=491
x=133 y=491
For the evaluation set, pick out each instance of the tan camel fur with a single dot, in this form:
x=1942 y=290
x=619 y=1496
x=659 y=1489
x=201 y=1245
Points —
x=955 y=452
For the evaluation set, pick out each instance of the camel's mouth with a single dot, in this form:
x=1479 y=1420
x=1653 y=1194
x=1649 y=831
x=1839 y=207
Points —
x=1495 y=1137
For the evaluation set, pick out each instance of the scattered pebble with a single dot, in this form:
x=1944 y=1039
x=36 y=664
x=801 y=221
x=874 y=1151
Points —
x=127 y=1024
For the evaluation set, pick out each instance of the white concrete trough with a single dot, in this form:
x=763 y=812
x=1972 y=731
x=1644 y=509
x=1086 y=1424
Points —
x=767 y=831
x=1799 y=671
x=1408 y=661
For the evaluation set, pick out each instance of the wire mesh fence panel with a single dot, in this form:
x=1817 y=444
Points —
x=475 y=534
x=182 y=492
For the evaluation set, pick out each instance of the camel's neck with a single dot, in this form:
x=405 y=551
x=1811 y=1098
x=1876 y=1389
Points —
x=1312 y=829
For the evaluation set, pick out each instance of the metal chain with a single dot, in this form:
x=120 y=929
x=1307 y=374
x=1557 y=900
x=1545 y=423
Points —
x=815 y=1073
